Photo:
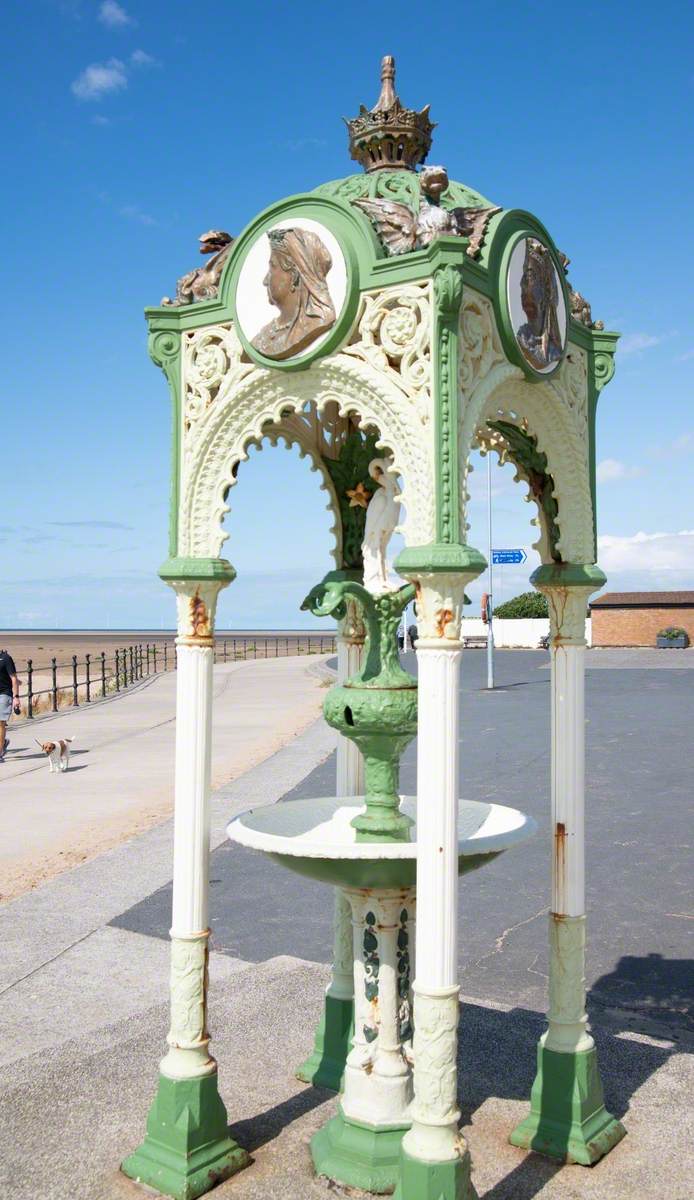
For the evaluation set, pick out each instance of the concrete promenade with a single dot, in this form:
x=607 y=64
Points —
x=120 y=779
x=84 y=969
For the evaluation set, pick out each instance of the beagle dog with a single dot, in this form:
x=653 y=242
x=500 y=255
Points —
x=58 y=753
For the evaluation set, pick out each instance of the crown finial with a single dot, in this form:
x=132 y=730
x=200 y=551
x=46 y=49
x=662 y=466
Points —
x=389 y=137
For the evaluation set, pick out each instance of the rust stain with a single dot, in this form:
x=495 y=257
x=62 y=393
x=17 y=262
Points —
x=560 y=858
x=443 y=616
x=199 y=617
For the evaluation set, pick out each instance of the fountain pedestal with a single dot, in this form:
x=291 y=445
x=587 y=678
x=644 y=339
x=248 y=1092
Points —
x=360 y=1146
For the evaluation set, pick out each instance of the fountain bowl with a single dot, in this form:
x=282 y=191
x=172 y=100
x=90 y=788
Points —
x=315 y=838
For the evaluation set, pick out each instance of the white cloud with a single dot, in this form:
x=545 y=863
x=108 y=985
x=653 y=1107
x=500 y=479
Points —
x=650 y=554
x=685 y=357
x=636 y=343
x=98 y=119
x=611 y=468
x=99 y=79
x=684 y=444
x=140 y=58
x=133 y=213
x=114 y=16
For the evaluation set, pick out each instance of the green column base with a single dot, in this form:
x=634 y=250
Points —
x=450 y=1180
x=325 y=1066
x=568 y=1119
x=361 y=1156
x=187 y=1149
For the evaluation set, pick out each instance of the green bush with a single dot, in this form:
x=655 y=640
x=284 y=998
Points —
x=528 y=604
x=672 y=632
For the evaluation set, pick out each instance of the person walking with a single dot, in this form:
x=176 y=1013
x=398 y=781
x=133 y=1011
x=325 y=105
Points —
x=9 y=697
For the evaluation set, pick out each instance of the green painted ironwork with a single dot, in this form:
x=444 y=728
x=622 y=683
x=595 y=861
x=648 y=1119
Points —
x=349 y=469
x=532 y=462
x=359 y=1155
x=187 y=1148
x=568 y=1119
x=448 y=1180
x=376 y=708
x=325 y=1065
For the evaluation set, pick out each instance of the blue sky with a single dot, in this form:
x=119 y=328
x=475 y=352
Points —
x=131 y=128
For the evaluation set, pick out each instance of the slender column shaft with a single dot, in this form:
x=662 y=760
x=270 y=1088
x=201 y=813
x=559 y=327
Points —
x=341 y=985
x=434 y=1135
x=568 y=779
x=567 y=1031
x=350 y=764
x=350 y=782
x=188 y=1038
x=362 y=1050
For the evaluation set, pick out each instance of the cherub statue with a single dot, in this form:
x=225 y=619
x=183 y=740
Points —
x=382 y=516
x=401 y=230
x=202 y=283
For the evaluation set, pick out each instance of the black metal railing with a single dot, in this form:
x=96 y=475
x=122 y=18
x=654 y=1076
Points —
x=101 y=674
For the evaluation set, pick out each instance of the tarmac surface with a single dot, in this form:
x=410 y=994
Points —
x=83 y=1013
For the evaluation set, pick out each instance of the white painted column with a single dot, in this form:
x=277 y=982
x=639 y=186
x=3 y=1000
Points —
x=567 y=1030
x=188 y=1036
x=434 y=1136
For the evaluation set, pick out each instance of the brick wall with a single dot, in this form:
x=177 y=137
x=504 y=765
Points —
x=634 y=626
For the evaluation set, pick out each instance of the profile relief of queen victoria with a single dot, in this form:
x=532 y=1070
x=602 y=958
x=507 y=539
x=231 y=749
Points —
x=296 y=283
x=540 y=338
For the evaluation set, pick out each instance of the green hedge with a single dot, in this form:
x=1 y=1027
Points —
x=528 y=604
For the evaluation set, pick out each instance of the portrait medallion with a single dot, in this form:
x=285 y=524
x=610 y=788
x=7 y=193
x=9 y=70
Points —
x=291 y=288
x=536 y=305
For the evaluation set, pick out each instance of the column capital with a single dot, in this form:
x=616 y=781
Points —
x=193 y=570
x=440 y=574
x=197 y=589
x=567 y=587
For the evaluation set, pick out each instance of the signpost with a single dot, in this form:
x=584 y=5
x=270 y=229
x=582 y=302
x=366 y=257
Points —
x=507 y=557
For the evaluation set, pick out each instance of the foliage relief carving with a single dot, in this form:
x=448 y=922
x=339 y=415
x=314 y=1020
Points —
x=226 y=415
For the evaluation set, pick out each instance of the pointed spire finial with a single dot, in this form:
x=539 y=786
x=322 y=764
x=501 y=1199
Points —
x=388 y=98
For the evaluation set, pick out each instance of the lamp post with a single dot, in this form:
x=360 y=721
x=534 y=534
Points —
x=490 y=605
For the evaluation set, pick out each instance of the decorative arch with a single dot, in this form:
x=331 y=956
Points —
x=553 y=412
x=260 y=403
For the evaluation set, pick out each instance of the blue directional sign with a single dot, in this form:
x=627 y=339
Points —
x=508 y=556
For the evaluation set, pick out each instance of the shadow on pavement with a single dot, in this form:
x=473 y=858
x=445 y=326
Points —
x=655 y=987
x=525 y=1180
x=497 y=1058
x=256 y=1131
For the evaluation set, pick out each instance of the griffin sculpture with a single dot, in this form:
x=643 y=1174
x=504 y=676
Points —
x=202 y=283
x=402 y=230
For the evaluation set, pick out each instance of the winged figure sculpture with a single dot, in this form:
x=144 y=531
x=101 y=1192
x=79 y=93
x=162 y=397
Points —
x=402 y=230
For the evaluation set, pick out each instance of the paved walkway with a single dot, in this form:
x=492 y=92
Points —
x=120 y=779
